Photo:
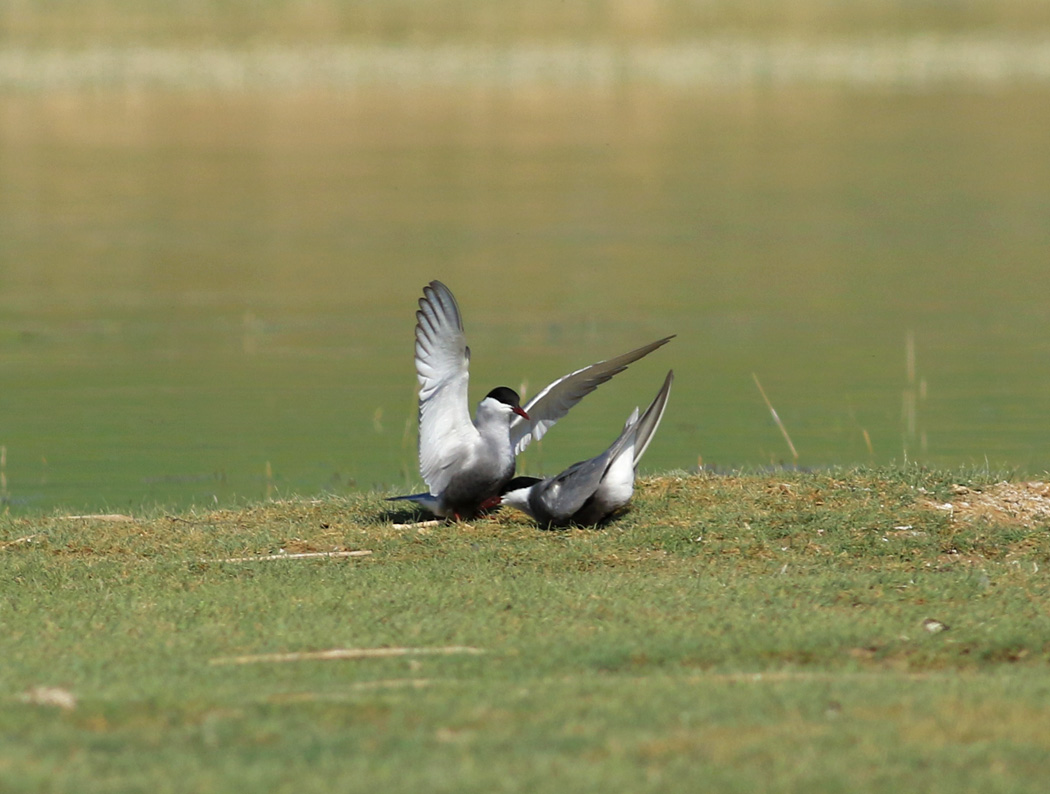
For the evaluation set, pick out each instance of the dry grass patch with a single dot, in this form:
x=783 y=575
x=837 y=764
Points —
x=1025 y=504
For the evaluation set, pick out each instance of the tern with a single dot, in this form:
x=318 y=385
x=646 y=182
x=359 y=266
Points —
x=466 y=463
x=590 y=491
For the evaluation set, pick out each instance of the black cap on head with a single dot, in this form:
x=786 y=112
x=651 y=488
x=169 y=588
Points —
x=508 y=397
x=505 y=395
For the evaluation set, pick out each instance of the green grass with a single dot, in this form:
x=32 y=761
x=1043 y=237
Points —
x=737 y=633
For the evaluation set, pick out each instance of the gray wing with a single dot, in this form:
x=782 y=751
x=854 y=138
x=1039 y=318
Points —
x=650 y=420
x=557 y=398
x=564 y=494
x=442 y=367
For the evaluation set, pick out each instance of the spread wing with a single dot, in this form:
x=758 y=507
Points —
x=442 y=367
x=557 y=398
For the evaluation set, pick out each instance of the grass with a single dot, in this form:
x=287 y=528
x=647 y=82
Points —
x=753 y=632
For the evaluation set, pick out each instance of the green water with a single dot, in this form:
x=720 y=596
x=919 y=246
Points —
x=208 y=297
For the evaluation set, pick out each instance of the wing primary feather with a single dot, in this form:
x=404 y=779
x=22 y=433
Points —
x=650 y=420
x=442 y=369
x=555 y=400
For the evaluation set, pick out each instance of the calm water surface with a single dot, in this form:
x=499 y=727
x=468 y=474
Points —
x=209 y=297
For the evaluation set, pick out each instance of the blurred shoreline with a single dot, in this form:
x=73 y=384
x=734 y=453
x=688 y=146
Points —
x=913 y=62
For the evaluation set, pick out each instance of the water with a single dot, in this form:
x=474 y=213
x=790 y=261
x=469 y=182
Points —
x=207 y=296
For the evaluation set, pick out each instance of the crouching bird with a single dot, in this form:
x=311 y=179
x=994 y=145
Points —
x=590 y=491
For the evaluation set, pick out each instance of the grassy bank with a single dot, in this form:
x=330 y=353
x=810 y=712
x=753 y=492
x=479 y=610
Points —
x=835 y=631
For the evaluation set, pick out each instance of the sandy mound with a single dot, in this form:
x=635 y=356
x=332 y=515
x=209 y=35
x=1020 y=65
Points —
x=1023 y=503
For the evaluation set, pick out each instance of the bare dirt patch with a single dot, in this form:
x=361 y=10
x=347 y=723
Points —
x=1024 y=504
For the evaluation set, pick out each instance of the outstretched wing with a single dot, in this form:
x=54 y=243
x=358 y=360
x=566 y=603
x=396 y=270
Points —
x=557 y=398
x=442 y=367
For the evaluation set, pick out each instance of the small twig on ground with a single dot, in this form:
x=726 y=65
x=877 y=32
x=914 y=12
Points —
x=776 y=418
x=344 y=653
x=100 y=517
x=16 y=541
x=306 y=555
x=417 y=525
